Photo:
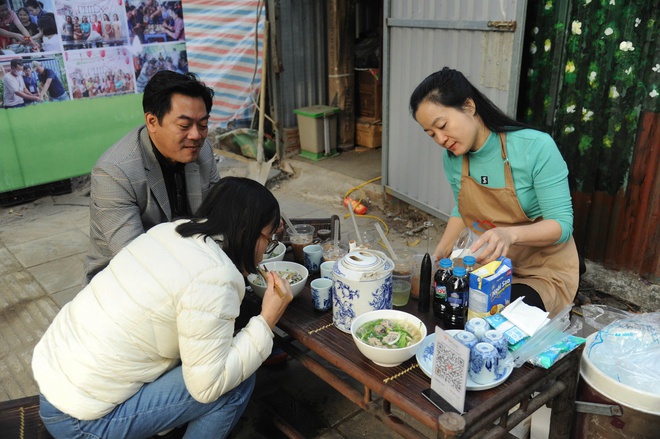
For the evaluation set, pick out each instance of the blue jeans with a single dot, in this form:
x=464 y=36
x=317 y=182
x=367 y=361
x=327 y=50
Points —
x=63 y=97
x=158 y=406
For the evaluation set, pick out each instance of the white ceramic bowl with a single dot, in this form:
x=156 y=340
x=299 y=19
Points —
x=387 y=357
x=282 y=266
x=277 y=254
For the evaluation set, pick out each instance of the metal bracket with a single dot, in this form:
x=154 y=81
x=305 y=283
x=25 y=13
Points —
x=598 y=409
x=506 y=26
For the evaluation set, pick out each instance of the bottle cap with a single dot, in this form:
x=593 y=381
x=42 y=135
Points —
x=445 y=263
x=459 y=271
x=469 y=260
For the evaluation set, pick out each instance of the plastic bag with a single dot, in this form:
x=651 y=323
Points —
x=628 y=351
x=596 y=317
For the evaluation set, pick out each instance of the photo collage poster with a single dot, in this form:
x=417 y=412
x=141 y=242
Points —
x=78 y=49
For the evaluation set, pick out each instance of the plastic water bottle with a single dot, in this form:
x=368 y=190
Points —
x=468 y=263
x=440 y=279
x=457 y=298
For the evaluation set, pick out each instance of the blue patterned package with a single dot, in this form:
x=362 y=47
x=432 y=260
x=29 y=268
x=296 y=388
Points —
x=557 y=352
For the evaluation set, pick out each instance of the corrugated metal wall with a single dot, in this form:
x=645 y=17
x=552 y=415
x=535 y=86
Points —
x=422 y=37
x=299 y=59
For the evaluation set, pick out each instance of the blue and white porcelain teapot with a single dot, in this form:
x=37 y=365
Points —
x=362 y=282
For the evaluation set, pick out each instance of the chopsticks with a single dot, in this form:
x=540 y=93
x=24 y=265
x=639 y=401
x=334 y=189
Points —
x=262 y=271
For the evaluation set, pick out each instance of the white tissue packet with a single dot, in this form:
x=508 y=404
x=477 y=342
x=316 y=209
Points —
x=526 y=317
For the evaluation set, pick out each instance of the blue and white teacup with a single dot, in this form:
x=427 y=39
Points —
x=466 y=339
x=478 y=327
x=313 y=254
x=496 y=338
x=484 y=363
x=322 y=293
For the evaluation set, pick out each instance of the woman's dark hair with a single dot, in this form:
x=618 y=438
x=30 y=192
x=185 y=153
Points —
x=235 y=212
x=157 y=98
x=34 y=4
x=450 y=88
x=47 y=24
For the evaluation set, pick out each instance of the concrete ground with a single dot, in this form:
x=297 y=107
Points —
x=42 y=245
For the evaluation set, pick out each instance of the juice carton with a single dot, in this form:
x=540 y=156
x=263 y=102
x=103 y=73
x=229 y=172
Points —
x=490 y=288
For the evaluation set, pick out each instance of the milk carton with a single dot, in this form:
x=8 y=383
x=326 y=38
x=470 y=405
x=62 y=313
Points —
x=490 y=288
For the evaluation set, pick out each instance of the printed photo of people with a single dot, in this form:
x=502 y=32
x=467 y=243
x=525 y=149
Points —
x=31 y=80
x=153 y=59
x=85 y=25
x=151 y=21
x=100 y=72
x=28 y=26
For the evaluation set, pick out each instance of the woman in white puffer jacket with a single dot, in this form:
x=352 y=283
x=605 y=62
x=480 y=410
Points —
x=149 y=344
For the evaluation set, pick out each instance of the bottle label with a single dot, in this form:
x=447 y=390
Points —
x=456 y=300
x=440 y=292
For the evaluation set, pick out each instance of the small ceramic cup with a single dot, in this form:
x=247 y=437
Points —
x=326 y=269
x=484 y=363
x=322 y=294
x=478 y=327
x=496 y=338
x=467 y=339
x=313 y=254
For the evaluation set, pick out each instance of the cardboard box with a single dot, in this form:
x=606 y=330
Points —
x=490 y=288
x=369 y=94
x=368 y=133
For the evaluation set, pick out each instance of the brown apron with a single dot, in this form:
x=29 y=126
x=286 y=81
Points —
x=552 y=271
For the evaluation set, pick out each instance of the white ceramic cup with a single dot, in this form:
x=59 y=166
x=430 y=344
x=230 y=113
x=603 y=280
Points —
x=497 y=339
x=484 y=363
x=478 y=327
x=326 y=269
x=313 y=255
x=321 y=293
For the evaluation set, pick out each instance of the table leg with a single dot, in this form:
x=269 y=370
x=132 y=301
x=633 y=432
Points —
x=450 y=425
x=563 y=406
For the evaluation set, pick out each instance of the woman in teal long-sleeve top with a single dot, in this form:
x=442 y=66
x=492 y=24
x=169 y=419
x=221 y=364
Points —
x=507 y=175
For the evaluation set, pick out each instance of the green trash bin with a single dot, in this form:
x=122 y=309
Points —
x=317 y=128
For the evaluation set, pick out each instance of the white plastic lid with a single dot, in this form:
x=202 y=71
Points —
x=616 y=391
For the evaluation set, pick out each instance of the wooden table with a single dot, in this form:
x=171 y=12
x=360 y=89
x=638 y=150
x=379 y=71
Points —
x=402 y=385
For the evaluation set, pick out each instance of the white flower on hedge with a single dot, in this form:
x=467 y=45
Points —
x=592 y=77
x=547 y=45
x=570 y=67
x=609 y=31
x=654 y=93
x=530 y=72
x=535 y=30
x=587 y=115
x=628 y=70
x=586 y=2
x=576 y=27
x=569 y=129
x=548 y=6
x=612 y=2
x=656 y=69
x=570 y=109
x=613 y=92
x=532 y=48
x=626 y=46
x=638 y=21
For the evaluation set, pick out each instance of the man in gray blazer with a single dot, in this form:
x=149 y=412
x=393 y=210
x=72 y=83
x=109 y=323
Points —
x=158 y=172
